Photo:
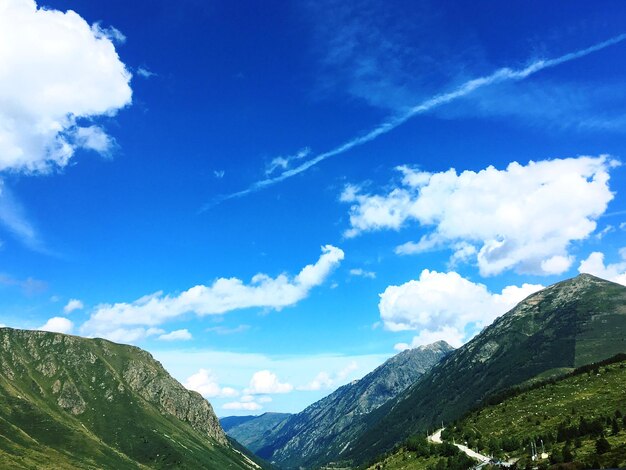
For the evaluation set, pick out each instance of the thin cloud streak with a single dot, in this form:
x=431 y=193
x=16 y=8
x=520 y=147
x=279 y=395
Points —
x=500 y=75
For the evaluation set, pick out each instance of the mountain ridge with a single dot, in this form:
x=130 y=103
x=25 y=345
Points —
x=568 y=324
x=72 y=402
x=323 y=430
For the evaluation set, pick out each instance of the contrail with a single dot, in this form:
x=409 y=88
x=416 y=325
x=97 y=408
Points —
x=500 y=75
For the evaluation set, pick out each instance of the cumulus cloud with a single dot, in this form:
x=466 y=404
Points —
x=58 y=73
x=445 y=306
x=324 y=380
x=205 y=383
x=238 y=405
x=176 y=335
x=58 y=325
x=594 y=265
x=127 y=335
x=358 y=272
x=523 y=217
x=73 y=304
x=264 y=382
x=224 y=295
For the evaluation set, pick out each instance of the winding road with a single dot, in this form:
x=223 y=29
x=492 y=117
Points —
x=436 y=438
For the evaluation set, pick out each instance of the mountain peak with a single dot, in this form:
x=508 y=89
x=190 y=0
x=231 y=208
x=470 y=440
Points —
x=440 y=345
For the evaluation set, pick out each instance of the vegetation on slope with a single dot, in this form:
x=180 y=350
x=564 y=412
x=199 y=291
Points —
x=561 y=327
x=579 y=421
x=69 y=402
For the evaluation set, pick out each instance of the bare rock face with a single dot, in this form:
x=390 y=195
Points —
x=147 y=379
x=70 y=399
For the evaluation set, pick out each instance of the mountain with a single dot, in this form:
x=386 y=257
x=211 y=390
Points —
x=566 y=325
x=252 y=431
x=565 y=417
x=324 y=430
x=230 y=422
x=70 y=402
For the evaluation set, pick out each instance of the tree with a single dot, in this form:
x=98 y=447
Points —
x=614 y=426
x=602 y=446
x=567 y=454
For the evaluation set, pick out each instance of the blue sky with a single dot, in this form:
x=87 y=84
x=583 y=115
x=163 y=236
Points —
x=274 y=198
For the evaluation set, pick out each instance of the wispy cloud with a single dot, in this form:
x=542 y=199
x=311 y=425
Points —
x=14 y=219
x=505 y=74
x=29 y=286
x=283 y=163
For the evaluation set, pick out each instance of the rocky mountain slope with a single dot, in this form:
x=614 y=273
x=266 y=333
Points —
x=574 y=322
x=251 y=431
x=70 y=402
x=324 y=430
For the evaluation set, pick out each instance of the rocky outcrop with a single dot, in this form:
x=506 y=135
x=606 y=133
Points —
x=149 y=380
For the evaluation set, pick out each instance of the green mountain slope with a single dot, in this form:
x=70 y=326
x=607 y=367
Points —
x=578 y=408
x=70 y=402
x=230 y=422
x=322 y=431
x=571 y=323
x=253 y=431
x=565 y=418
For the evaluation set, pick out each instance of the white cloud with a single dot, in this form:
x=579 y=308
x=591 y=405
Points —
x=594 y=265
x=450 y=334
x=205 y=383
x=264 y=382
x=445 y=306
x=58 y=325
x=224 y=330
x=13 y=217
x=128 y=335
x=283 y=163
x=358 y=272
x=321 y=381
x=224 y=295
x=324 y=380
x=176 y=335
x=237 y=405
x=57 y=72
x=73 y=304
x=145 y=72
x=522 y=218
x=501 y=75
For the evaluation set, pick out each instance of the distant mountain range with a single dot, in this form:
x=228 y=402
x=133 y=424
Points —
x=253 y=432
x=70 y=402
x=323 y=430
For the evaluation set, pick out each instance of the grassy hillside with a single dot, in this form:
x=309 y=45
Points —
x=69 y=402
x=573 y=416
x=561 y=327
x=575 y=412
